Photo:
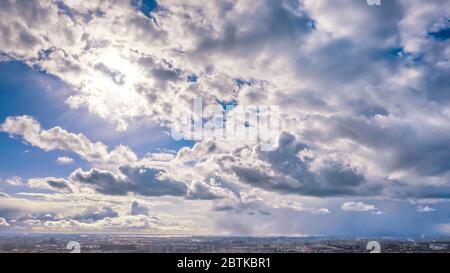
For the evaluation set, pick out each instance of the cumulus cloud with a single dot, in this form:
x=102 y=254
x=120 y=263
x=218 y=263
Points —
x=425 y=209
x=203 y=191
x=382 y=91
x=64 y=160
x=130 y=222
x=50 y=183
x=59 y=139
x=302 y=208
x=81 y=213
x=284 y=170
x=14 y=181
x=22 y=208
x=143 y=181
x=92 y=214
x=357 y=206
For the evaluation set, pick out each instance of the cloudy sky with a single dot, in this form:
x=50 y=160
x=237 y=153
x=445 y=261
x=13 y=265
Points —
x=90 y=90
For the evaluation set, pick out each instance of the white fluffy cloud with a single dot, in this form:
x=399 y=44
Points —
x=425 y=209
x=14 y=181
x=59 y=139
x=64 y=160
x=357 y=206
x=300 y=207
x=50 y=183
x=139 y=223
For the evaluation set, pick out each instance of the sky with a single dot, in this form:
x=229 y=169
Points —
x=90 y=92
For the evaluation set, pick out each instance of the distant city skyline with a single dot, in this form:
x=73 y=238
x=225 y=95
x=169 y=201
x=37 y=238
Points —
x=203 y=244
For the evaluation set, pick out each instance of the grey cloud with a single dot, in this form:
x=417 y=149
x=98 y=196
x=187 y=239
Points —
x=59 y=185
x=143 y=181
x=165 y=75
x=334 y=173
x=265 y=213
x=138 y=209
x=145 y=28
x=224 y=208
x=154 y=182
x=113 y=74
x=409 y=148
x=435 y=79
x=402 y=190
x=276 y=20
x=94 y=214
x=103 y=181
x=28 y=39
x=162 y=72
x=75 y=15
x=249 y=209
x=294 y=175
x=56 y=184
x=360 y=21
x=200 y=190
x=20 y=19
x=322 y=62
x=19 y=209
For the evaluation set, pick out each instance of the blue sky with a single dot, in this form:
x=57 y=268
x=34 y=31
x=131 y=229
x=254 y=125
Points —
x=90 y=91
x=19 y=87
x=25 y=91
